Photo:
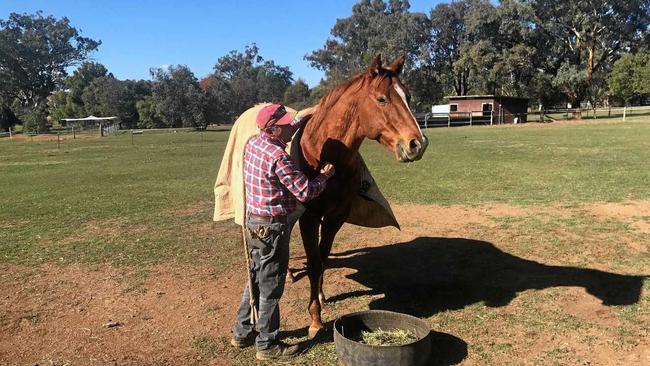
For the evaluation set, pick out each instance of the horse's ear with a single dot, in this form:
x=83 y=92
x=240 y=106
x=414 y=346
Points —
x=397 y=65
x=375 y=66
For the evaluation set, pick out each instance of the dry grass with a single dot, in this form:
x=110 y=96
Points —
x=390 y=337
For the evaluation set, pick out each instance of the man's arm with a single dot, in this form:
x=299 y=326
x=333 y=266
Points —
x=297 y=182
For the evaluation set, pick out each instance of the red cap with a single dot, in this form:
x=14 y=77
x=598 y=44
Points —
x=273 y=115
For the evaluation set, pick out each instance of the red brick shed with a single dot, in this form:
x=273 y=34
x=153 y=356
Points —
x=494 y=109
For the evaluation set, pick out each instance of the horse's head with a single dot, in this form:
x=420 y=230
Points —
x=384 y=112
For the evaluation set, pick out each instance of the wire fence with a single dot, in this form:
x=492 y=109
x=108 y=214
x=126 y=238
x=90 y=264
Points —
x=425 y=120
x=75 y=132
x=472 y=118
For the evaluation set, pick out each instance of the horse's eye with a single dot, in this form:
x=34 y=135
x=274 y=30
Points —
x=381 y=99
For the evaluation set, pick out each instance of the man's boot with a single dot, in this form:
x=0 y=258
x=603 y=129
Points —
x=278 y=351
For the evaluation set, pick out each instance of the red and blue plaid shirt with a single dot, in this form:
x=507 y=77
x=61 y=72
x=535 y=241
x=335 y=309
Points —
x=273 y=181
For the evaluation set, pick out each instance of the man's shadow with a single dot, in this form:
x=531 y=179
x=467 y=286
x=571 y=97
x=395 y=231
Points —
x=429 y=275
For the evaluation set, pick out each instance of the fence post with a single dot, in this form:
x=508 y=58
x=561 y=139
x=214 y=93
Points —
x=9 y=132
x=74 y=133
x=132 y=138
x=448 y=120
x=58 y=140
x=470 y=118
x=624 y=112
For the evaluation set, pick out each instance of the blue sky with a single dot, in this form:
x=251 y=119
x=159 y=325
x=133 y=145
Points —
x=139 y=34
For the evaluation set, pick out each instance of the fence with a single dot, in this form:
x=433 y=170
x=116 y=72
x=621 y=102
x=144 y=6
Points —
x=9 y=133
x=452 y=119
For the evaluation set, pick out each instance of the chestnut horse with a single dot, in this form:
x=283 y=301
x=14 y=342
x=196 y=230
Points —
x=372 y=105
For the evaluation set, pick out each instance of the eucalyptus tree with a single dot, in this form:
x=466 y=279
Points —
x=582 y=38
x=35 y=51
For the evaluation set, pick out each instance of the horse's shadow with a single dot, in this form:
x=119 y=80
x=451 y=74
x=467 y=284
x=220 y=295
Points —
x=428 y=275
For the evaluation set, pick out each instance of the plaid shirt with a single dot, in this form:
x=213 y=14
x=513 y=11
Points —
x=273 y=182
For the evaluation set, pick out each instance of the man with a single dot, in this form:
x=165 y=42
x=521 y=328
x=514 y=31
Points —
x=273 y=184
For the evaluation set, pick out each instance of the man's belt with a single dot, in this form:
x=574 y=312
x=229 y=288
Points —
x=267 y=219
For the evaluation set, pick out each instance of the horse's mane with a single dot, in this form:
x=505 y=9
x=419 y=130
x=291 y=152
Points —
x=328 y=100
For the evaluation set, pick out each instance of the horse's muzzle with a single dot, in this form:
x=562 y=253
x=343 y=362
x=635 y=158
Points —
x=412 y=151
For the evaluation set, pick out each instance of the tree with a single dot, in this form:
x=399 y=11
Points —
x=33 y=118
x=82 y=77
x=581 y=38
x=297 y=95
x=34 y=54
x=60 y=104
x=374 y=27
x=68 y=103
x=218 y=96
x=107 y=96
x=7 y=118
x=177 y=96
x=449 y=34
x=147 y=113
x=240 y=80
x=480 y=48
x=630 y=76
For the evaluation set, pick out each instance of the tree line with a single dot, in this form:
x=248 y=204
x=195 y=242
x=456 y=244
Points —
x=551 y=51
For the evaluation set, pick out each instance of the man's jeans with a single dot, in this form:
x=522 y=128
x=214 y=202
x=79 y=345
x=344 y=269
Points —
x=268 y=245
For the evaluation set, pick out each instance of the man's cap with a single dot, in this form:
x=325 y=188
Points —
x=273 y=115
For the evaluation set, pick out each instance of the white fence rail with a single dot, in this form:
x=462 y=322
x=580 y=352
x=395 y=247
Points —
x=452 y=119
x=9 y=133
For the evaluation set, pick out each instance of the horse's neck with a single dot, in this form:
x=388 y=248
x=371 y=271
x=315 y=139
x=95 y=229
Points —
x=336 y=139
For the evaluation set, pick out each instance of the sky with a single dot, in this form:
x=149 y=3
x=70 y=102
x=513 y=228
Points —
x=139 y=34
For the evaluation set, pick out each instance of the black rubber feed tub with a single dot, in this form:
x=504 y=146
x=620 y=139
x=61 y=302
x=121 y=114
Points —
x=351 y=352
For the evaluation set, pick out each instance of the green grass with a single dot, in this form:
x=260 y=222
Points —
x=521 y=165
x=104 y=200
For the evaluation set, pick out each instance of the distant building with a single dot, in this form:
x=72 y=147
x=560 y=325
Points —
x=489 y=108
x=440 y=109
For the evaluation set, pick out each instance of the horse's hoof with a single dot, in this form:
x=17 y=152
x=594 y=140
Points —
x=313 y=332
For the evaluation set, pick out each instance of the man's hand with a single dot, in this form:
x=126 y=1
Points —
x=327 y=170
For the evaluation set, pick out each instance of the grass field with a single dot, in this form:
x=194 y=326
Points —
x=137 y=206
x=50 y=193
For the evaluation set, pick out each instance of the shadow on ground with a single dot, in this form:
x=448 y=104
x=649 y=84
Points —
x=428 y=275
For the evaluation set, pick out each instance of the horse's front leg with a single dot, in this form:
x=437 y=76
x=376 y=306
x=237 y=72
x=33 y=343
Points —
x=329 y=229
x=309 y=224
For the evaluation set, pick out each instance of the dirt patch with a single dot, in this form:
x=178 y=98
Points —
x=105 y=228
x=65 y=313
x=455 y=266
x=51 y=137
x=637 y=213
